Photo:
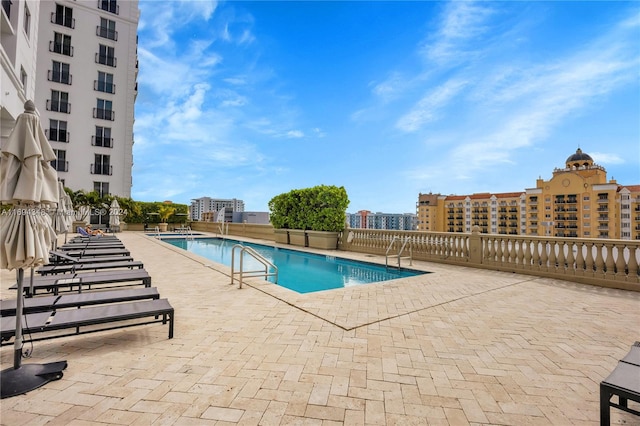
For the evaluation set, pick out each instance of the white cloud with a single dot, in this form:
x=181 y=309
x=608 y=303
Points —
x=295 y=134
x=427 y=109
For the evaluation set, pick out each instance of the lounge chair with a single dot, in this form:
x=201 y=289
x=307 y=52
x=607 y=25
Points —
x=72 y=267
x=94 y=251
x=624 y=381
x=85 y=281
x=47 y=303
x=59 y=260
x=76 y=318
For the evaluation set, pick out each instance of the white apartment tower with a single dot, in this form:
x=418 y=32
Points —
x=86 y=87
x=18 y=39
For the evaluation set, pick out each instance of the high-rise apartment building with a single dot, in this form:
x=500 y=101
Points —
x=18 y=44
x=365 y=219
x=202 y=205
x=86 y=87
x=578 y=201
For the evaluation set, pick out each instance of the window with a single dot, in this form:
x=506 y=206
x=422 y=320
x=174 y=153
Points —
x=109 y=6
x=63 y=16
x=58 y=131
x=60 y=163
x=61 y=44
x=59 y=102
x=23 y=79
x=101 y=165
x=101 y=188
x=60 y=73
x=27 y=21
x=103 y=137
x=107 y=29
x=104 y=83
x=103 y=110
x=106 y=56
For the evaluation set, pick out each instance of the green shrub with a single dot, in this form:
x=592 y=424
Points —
x=320 y=208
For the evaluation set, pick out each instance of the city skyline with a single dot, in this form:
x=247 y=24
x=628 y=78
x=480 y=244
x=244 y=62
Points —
x=251 y=99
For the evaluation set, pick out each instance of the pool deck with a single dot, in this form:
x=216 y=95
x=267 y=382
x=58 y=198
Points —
x=456 y=346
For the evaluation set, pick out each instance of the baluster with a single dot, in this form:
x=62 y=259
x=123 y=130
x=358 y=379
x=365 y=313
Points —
x=553 y=260
x=580 y=261
x=526 y=255
x=589 y=260
x=610 y=263
x=544 y=256
x=535 y=255
x=561 y=257
x=499 y=249
x=632 y=265
x=620 y=263
x=521 y=249
x=513 y=255
x=599 y=266
x=571 y=259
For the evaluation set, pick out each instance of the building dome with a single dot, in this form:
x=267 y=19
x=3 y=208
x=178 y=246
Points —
x=579 y=159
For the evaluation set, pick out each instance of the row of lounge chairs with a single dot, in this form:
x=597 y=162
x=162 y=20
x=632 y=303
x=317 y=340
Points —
x=92 y=284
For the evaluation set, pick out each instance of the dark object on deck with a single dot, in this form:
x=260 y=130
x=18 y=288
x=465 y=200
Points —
x=624 y=381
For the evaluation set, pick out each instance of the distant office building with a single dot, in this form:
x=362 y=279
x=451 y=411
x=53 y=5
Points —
x=577 y=201
x=212 y=208
x=86 y=87
x=365 y=219
x=261 y=218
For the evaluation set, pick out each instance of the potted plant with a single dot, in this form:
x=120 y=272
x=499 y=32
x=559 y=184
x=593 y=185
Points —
x=165 y=211
x=312 y=216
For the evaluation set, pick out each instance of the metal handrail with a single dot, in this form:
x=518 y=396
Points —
x=407 y=240
x=251 y=252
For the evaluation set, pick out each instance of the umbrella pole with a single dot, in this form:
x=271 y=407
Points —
x=17 y=344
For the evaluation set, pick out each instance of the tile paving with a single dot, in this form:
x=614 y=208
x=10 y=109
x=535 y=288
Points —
x=456 y=346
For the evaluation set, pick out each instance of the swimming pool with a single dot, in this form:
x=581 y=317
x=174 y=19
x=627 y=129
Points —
x=298 y=271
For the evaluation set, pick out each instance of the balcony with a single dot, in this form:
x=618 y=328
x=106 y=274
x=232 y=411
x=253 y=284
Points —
x=101 y=169
x=61 y=48
x=58 y=106
x=109 y=6
x=101 y=141
x=106 y=60
x=102 y=86
x=57 y=135
x=64 y=20
x=104 y=114
x=106 y=33
x=60 y=166
x=59 y=77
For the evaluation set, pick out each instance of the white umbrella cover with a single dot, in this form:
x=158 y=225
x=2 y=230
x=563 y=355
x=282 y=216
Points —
x=114 y=215
x=27 y=181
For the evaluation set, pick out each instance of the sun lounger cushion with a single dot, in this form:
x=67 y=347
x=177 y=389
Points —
x=69 y=267
x=47 y=303
x=75 y=318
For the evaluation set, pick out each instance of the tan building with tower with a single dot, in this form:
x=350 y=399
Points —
x=578 y=201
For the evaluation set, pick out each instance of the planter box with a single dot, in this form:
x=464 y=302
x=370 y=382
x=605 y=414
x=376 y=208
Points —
x=298 y=237
x=323 y=240
x=281 y=236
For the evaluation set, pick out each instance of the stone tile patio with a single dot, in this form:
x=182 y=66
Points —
x=456 y=346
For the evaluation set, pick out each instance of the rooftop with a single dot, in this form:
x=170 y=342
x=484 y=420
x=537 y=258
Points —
x=457 y=346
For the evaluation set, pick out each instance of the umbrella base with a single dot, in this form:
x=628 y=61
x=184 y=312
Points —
x=18 y=381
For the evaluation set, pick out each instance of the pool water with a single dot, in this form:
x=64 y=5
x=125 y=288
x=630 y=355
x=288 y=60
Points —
x=298 y=271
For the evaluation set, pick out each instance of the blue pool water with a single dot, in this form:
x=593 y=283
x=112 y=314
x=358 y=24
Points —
x=298 y=271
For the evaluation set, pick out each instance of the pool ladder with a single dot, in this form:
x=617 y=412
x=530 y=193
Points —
x=407 y=242
x=257 y=273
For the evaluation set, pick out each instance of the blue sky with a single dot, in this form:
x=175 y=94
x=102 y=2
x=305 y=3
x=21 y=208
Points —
x=388 y=99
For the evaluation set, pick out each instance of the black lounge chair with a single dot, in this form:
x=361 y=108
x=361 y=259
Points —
x=47 y=303
x=76 y=318
x=94 y=266
x=59 y=260
x=94 y=251
x=85 y=280
x=624 y=381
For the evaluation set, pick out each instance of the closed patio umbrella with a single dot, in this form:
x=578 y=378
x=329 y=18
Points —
x=114 y=215
x=27 y=181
